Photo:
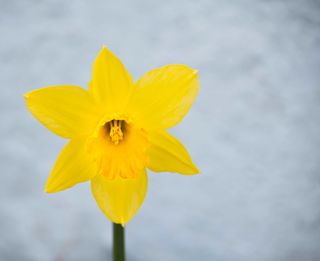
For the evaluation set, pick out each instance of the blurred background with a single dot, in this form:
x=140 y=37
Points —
x=253 y=131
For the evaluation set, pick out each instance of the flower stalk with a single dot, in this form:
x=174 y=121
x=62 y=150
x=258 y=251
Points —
x=118 y=243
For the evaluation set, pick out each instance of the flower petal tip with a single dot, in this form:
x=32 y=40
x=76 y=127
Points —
x=48 y=190
x=105 y=49
x=195 y=170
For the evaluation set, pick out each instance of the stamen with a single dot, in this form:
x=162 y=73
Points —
x=116 y=133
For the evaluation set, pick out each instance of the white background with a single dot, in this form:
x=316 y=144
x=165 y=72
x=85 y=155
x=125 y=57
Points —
x=253 y=130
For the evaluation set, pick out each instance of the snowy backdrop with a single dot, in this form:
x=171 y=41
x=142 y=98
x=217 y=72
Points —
x=254 y=131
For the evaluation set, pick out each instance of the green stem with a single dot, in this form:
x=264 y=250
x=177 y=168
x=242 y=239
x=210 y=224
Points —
x=118 y=243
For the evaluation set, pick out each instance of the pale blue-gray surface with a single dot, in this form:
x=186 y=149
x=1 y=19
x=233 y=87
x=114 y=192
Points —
x=253 y=131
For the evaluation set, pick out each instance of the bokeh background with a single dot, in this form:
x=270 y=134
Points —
x=253 y=131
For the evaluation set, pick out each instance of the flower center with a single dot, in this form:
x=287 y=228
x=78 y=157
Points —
x=118 y=148
x=116 y=128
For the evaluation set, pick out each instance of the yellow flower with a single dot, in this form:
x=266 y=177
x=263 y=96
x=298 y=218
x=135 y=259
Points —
x=117 y=129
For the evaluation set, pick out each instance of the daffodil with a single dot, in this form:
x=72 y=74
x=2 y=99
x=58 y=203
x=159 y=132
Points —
x=116 y=130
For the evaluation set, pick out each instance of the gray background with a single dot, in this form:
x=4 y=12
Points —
x=253 y=130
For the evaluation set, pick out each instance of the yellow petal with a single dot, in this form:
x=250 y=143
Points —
x=72 y=166
x=119 y=198
x=163 y=96
x=66 y=110
x=166 y=153
x=111 y=84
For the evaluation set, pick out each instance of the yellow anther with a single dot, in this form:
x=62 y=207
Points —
x=116 y=133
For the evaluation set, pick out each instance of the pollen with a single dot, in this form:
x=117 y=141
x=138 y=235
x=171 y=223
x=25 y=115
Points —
x=116 y=131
